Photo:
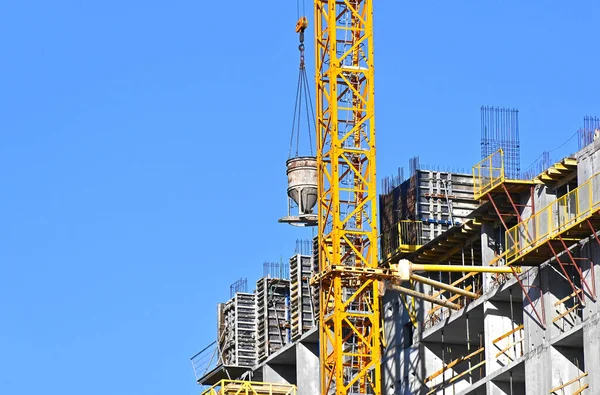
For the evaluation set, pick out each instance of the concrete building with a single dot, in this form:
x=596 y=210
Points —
x=533 y=332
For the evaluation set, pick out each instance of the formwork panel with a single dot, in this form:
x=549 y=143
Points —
x=437 y=200
x=301 y=295
x=237 y=330
x=273 y=315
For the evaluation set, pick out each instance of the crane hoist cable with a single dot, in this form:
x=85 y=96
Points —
x=298 y=8
x=303 y=97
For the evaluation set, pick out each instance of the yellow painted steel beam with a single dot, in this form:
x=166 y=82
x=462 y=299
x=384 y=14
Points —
x=402 y=271
x=444 y=286
x=420 y=295
x=347 y=209
x=460 y=268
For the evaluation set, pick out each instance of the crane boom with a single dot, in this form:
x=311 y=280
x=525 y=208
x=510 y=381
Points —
x=350 y=344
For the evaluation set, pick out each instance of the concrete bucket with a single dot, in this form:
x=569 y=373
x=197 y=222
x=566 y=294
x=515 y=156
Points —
x=302 y=182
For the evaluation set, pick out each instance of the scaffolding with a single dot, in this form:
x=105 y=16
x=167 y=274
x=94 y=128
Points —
x=238 y=387
x=552 y=222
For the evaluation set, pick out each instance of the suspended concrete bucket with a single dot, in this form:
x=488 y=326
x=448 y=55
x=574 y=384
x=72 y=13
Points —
x=302 y=190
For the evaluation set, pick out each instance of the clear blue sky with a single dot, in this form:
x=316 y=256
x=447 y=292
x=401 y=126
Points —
x=143 y=149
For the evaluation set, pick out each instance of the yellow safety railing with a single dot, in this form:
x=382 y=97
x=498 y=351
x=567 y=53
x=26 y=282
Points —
x=410 y=234
x=567 y=316
x=403 y=237
x=488 y=174
x=576 y=379
x=237 y=387
x=436 y=313
x=553 y=220
x=510 y=344
x=477 y=354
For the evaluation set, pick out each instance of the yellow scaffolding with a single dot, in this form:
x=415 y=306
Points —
x=554 y=220
x=238 y=387
x=488 y=174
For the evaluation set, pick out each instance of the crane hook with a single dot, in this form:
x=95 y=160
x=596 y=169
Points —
x=301 y=26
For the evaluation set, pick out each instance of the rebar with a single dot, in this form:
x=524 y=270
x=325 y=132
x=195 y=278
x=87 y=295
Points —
x=276 y=270
x=586 y=134
x=240 y=285
x=500 y=130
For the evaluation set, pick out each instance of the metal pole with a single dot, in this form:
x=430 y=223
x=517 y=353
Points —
x=416 y=267
x=423 y=296
x=444 y=286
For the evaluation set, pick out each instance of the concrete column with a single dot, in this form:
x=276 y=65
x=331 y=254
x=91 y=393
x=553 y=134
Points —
x=412 y=370
x=488 y=247
x=537 y=346
x=591 y=348
x=587 y=162
x=392 y=313
x=307 y=369
x=591 y=318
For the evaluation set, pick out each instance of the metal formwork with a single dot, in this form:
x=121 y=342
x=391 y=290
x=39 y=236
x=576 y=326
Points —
x=423 y=207
x=273 y=315
x=444 y=200
x=237 y=330
x=301 y=295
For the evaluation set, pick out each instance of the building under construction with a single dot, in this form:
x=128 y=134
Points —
x=529 y=331
x=446 y=282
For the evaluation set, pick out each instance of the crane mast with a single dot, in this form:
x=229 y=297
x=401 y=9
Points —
x=349 y=326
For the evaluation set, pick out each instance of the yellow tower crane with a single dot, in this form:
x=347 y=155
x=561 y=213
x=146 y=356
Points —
x=349 y=319
x=349 y=277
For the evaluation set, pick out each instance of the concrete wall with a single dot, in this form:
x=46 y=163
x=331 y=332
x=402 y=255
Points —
x=565 y=362
x=591 y=317
x=392 y=326
x=497 y=322
x=275 y=373
x=307 y=369
x=536 y=343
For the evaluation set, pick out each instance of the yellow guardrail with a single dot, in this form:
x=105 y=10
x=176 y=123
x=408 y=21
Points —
x=576 y=379
x=553 y=220
x=456 y=373
x=403 y=237
x=410 y=234
x=488 y=174
x=511 y=348
x=238 y=387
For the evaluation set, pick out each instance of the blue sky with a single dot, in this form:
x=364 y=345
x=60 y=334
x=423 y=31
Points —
x=143 y=157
